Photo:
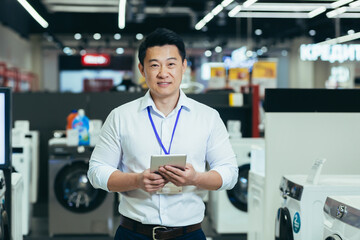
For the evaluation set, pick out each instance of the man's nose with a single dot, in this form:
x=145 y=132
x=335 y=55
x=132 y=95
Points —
x=163 y=73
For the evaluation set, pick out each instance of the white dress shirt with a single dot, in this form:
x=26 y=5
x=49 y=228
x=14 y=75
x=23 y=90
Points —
x=127 y=142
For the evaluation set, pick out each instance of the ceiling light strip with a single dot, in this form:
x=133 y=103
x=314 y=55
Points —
x=226 y=3
x=122 y=10
x=270 y=15
x=234 y=11
x=336 y=12
x=316 y=12
x=90 y=9
x=248 y=3
x=355 y=4
x=34 y=13
x=340 y=3
x=342 y=39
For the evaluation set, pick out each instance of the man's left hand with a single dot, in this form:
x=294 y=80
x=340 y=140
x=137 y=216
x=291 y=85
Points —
x=179 y=177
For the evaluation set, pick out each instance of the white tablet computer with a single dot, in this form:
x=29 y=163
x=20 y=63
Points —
x=176 y=160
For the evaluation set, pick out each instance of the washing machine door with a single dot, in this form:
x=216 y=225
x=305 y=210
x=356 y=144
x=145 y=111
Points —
x=74 y=191
x=334 y=237
x=238 y=196
x=283 y=228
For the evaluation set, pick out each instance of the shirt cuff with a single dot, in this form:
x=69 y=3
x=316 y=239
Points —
x=229 y=176
x=99 y=176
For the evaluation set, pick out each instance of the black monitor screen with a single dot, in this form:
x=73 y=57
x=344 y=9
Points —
x=5 y=126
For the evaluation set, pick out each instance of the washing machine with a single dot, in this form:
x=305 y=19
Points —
x=301 y=215
x=342 y=218
x=21 y=162
x=228 y=209
x=4 y=223
x=75 y=207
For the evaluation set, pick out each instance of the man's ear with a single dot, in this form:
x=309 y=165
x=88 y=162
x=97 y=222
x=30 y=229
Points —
x=184 y=66
x=141 y=69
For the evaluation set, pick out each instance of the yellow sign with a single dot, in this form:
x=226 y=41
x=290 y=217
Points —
x=265 y=70
x=239 y=74
x=218 y=72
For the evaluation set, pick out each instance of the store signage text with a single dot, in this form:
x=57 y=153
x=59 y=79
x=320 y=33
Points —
x=95 y=60
x=330 y=53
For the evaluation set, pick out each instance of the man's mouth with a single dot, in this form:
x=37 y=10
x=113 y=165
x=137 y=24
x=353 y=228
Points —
x=164 y=83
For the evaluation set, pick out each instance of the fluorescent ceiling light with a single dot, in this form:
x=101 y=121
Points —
x=83 y=2
x=122 y=9
x=200 y=24
x=34 y=13
x=217 y=9
x=234 y=11
x=342 y=39
x=336 y=12
x=208 y=17
x=74 y=8
x=271 y=15
x=340 y=3
x=291 y=7
x=316 y=12
x=225 y=3
x=248 y=3
x=350 y=15
x=355 y=4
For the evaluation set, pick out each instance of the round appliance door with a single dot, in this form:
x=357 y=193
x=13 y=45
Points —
x=283 y=228
x=74 y=191
x=334 y=237
x=238 y=196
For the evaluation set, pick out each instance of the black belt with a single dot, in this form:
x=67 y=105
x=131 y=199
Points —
x=156 y=231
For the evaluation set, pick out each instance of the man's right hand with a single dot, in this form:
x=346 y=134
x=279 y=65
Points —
x=150 y=182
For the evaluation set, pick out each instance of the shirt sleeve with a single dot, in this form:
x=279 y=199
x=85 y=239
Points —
x=106 y=156
x=220 y=155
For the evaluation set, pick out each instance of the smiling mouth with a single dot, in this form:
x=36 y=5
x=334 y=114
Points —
x=164 y=83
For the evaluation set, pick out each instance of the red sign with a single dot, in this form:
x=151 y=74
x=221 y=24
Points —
x=95 y=60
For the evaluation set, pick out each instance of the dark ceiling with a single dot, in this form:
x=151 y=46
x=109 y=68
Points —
x=66 y=17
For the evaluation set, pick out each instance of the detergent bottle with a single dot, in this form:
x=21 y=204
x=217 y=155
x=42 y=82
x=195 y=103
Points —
x=81 y=123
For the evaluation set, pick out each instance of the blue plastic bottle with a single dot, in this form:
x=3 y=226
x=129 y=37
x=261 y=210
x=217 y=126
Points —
x=81 y=123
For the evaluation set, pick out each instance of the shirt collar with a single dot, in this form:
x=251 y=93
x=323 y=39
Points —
x=148 y=101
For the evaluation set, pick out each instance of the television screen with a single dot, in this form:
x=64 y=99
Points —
x=5 y=123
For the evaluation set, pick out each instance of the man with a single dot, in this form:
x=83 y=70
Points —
x=164 y=121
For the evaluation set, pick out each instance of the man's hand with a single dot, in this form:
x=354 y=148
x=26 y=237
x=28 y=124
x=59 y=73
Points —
x=180 y=177
x=150 y=182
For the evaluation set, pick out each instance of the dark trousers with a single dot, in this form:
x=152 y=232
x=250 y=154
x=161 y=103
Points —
x=125 y=234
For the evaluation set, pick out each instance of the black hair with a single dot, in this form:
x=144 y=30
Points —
x=161 y=37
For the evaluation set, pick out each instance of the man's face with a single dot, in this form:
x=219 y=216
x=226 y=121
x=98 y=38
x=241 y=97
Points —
x=163 y=70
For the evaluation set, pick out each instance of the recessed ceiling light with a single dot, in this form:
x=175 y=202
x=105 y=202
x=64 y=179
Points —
x=77 y=36
x=258 y=32
x=207 y=53
x=139 y=36
x=351 y=31
x=97 y=36
x=117 y=36
x=218 y=49
x=82 y=52
x=312 y=32
x=119 y=50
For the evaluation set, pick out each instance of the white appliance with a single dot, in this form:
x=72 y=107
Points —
x=256 y=195
x=301 y=215
x=21 y=161
x=228 y=209
x=17 y=187
x=256 y=204
x=35 y=158
x=342 y=218
x=34 y=138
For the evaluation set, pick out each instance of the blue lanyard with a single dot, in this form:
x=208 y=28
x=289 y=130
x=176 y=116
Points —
x=156 y=133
